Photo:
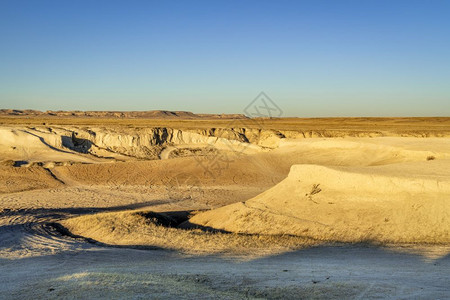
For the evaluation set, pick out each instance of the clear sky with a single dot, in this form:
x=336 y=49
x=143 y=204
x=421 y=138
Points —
x=313 y=58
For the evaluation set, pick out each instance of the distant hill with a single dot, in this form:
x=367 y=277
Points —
x=151 y=114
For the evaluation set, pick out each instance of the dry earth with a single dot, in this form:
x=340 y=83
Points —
x=186 y=206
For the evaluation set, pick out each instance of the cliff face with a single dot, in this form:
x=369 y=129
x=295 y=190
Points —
x=129 y=142
x=123 y=142
x=147 y=143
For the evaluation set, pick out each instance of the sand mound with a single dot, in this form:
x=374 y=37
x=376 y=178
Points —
x=159 y=230
x=13 y=179
x=394 y=203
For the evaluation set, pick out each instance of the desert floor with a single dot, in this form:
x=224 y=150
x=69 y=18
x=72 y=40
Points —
x=354 y=208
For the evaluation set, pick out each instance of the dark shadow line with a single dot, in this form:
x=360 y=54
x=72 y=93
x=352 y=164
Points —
x=47 y=144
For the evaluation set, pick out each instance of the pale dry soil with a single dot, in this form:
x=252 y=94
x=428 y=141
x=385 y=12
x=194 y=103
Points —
x=91 y=212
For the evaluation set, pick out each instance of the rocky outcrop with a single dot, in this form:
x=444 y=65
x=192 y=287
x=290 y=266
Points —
x=148 y=142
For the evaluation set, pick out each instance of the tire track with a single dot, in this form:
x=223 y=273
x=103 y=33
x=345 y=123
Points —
x=26 y=233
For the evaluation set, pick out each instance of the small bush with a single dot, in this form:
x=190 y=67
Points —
x=314 y=190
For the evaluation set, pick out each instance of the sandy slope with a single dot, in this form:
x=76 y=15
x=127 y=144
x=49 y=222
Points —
x=13 y=179
x=407 y=202
x=25 y=144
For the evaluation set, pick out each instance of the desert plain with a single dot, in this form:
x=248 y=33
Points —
x=178 y=205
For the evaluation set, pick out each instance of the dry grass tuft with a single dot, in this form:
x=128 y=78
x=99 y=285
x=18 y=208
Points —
x=135 y=230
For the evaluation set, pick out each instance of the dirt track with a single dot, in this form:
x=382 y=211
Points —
x=325 y=272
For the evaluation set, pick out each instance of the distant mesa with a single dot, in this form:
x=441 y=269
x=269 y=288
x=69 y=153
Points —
x=151 y=114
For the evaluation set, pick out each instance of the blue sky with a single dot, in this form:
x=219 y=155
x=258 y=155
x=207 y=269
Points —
x=313 y=58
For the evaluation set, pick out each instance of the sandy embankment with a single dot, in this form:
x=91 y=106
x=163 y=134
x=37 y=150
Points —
x=401 y=203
